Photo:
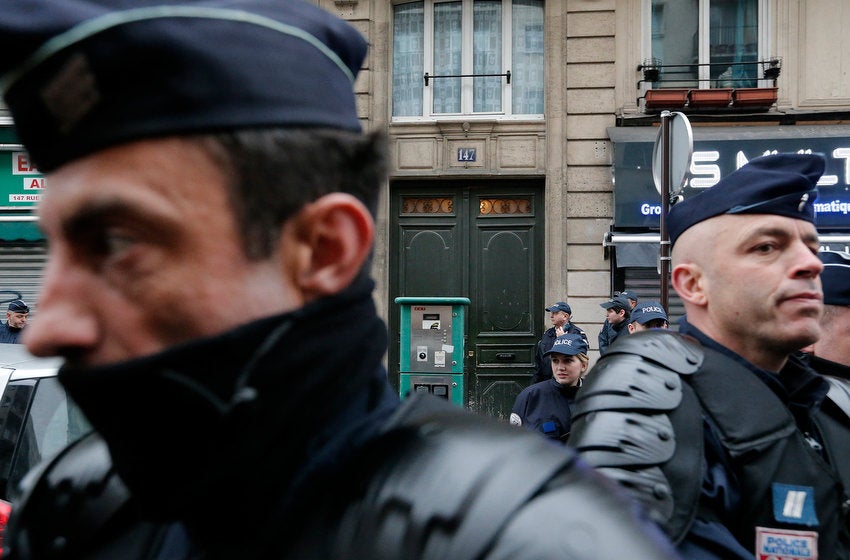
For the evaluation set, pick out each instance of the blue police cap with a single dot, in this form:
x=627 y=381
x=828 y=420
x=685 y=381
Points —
x=560 y=306
x=781 y=184
x=619 y=301
x=18 y=306
x=835 y=277
x=82 y=75
x=569 y=344
x=629 y=294
x=647 y=311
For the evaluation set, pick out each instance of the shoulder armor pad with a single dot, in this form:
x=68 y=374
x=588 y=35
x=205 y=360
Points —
x=472 y=500
x=625 y=439
x=638 y=423
x=649 y=486
x=469 y=496
x=66 y=503
x=672 y=350
x=627 y=381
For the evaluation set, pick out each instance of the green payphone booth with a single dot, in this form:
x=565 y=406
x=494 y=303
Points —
x=432 y=346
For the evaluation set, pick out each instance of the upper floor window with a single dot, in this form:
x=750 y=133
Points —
x=482 y=57
x=718 y=44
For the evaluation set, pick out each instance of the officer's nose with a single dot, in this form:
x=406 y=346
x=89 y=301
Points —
x=65 y=324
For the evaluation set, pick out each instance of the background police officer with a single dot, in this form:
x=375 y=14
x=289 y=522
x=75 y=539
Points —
x=561 y=315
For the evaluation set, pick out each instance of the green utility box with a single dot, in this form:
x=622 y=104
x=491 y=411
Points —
x=432 y=346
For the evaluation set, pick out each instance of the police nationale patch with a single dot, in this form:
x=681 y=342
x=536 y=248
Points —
x=779 y=544
x=515 y=419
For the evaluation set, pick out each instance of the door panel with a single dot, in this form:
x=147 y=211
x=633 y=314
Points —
x=482 y=241
x=426 y=254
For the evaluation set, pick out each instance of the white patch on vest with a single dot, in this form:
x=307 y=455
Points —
x=794 y=502
x=515 y=419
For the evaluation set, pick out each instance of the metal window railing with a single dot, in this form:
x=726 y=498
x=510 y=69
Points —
x=428 y=77
x=655 y=72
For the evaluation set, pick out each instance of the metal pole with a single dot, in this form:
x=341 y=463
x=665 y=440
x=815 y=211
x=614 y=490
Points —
x=664 y=248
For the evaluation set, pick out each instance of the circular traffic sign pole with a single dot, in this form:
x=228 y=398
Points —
x=671 y=161
x=664 y=249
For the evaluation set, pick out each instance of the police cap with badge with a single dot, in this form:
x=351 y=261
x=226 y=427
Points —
x=18 y=306
x=647 y=311
x=560 y=306
x=779 y=184
x=568 y=344
x=83 y=75
x=617 y=302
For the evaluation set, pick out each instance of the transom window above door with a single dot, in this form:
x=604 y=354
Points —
x=465 y=58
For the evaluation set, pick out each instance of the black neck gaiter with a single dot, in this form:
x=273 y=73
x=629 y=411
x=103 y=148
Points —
x=233 y=419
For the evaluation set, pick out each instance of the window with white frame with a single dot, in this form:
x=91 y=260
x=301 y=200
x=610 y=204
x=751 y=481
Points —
x=707 y=43
x=467 y=58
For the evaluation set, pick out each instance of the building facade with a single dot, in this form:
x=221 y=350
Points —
x=521 y=136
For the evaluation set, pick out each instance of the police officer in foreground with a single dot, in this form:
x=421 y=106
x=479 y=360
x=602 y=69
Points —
x=210 y=219
x=717 y=431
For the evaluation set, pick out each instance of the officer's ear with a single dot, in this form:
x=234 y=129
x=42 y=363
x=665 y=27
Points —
x=324 y=246
x=688 y=281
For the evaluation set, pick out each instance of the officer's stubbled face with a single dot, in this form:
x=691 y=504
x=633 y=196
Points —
x=16 y=320
x=751 y=282
x=145 y=253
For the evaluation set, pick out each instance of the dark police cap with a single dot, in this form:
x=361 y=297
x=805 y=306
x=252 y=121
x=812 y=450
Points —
x=615 y=302
x=82 y=75
x=560 y=306
x=646 y=312
x=781 y=184
x=629 y=295
x=569 y=344
x=18 y=306
x=835 y=277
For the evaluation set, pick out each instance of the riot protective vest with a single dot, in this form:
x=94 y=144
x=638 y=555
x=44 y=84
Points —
x=640 y=419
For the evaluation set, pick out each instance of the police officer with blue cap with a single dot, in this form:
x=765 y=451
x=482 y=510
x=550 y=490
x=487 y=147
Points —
x=547 y=406
x=727 y=397
x=648 y=315
x=560 y=314
x=210 y=217
x=616 y=325
x=830 y=355
x=16 y=319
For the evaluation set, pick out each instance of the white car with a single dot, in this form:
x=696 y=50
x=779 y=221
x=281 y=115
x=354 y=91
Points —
x=37 y=419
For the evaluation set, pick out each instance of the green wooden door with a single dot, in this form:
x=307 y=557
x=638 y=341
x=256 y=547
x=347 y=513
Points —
x=483 y=241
